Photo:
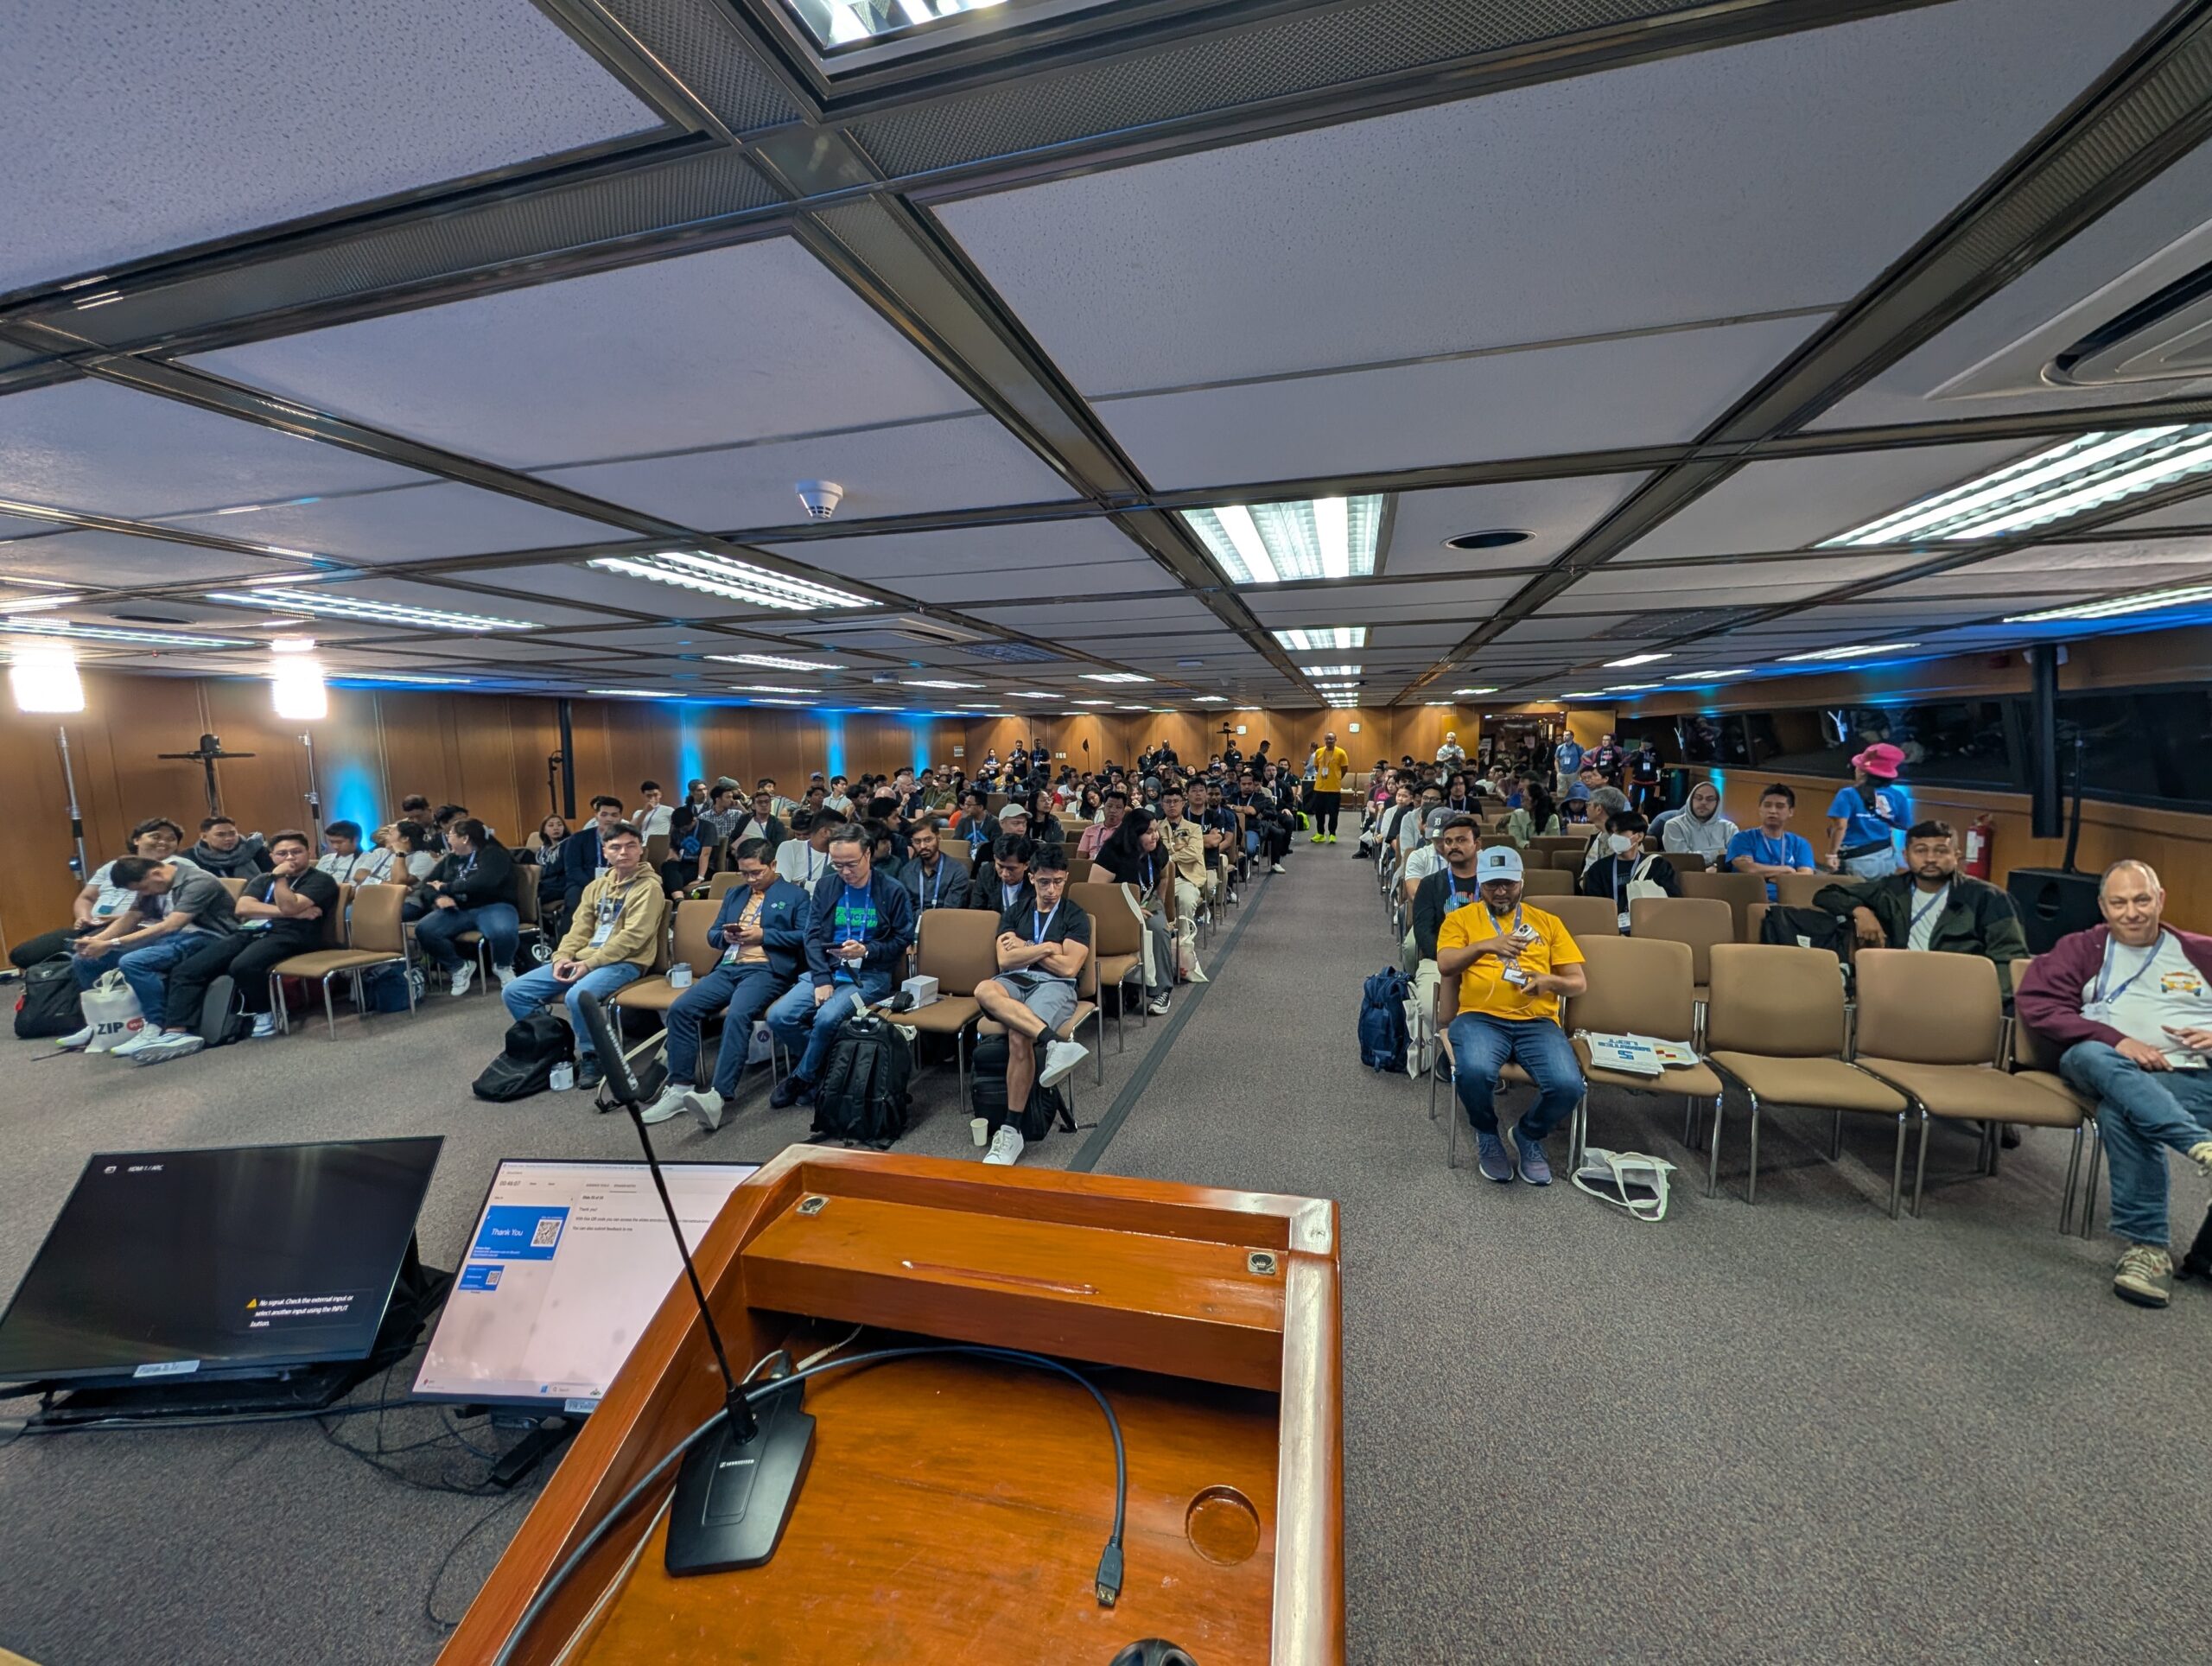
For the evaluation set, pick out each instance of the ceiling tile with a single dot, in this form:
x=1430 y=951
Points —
x=411 y=523
x=1033 y=546
x=1554 y=513
x=106 y=560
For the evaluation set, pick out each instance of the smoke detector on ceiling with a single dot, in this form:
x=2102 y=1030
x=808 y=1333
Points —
x=821 y=498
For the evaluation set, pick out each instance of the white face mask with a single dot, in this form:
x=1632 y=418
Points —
x=1618 y=843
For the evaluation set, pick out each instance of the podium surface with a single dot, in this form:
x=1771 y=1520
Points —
x=958 y=1504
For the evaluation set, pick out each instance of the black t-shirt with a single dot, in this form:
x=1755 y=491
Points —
x=315 y=886
x=1067 y=924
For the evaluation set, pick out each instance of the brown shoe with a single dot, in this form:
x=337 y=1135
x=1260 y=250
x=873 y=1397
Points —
x=2146 y=1275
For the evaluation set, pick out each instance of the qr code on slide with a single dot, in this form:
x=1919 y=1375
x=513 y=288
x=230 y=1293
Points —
x=543 y=1236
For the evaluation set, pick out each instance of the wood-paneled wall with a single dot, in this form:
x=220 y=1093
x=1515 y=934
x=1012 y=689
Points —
x=487 y=751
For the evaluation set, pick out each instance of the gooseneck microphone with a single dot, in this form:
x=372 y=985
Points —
x=735 y=1493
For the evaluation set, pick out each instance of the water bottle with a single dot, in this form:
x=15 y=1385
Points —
x=563 y=1077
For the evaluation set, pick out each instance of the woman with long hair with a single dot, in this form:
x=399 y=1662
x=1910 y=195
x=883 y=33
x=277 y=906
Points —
x=1131 y=856
x=1536 y=817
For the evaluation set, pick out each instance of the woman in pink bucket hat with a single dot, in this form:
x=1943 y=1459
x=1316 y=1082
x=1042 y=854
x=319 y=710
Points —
x=1867 y=816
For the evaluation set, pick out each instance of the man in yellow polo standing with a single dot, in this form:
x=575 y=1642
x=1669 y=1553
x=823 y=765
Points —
x=1332 y=763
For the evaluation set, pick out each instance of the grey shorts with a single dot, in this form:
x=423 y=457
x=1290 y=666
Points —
x=1051 y=998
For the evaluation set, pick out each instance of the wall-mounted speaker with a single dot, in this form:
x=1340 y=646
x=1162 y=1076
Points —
x=2052 y=903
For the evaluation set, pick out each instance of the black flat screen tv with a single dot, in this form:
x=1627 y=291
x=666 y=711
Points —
x=167 y=1266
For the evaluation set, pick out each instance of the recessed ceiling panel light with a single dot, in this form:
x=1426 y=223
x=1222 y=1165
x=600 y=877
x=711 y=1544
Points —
x=1324 y=639
x=1633 y=687
x=2060 y=481
x=936 y=683
x=634 y=694
x=1636 y=659
x=1585 y=694
x=1031 y=694
x=1330 y=670
x=348 y=678
x=1497 y=539
x=1091 y=702
x=782 y=703
x=776 y=662
x=2143 y=601
x=1853 y=651
x=1114 y=676
x=1208 y=699
x=1268 y=543
x=767 y=687
x=1490 y=690
x=1701 y=677
x=328 y=604
x=31 y=627
x=738 y=580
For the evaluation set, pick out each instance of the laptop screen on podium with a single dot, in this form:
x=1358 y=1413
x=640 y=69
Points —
x=238 y=1262
x=568 y=1264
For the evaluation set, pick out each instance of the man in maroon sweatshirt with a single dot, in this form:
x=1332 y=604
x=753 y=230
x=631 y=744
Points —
x=2131 y=1002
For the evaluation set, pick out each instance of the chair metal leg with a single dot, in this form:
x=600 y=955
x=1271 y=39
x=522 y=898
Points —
x=2089 y=1190
x=1713 y=1158
x=1451 y=1138
x=1751 y=1180
x=360 y=998
x=2073 y=1174
x=960 y=1063
x=1835 y=1140
x=329 y=1011
x=1920 y=1171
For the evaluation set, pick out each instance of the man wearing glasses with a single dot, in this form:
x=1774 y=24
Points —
x=859 y=927
x=1044 y=938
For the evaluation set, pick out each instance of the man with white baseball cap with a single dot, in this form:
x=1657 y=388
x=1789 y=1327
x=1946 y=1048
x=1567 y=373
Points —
x=1514 y=963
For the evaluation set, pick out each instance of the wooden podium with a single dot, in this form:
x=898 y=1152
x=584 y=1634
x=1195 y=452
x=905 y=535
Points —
x=957 y=1506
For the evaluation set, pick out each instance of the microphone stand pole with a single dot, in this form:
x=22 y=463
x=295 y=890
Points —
x=315 y=798
x=76 y=818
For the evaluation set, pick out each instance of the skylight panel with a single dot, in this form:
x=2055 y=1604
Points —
x=1272 y=542
x=1324 y=639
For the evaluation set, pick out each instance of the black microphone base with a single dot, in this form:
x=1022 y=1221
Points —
x=732 y=1497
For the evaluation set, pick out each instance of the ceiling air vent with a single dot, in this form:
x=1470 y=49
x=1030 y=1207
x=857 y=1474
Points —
x=2162 y=338
x=1683 y=622
x=1011 y=653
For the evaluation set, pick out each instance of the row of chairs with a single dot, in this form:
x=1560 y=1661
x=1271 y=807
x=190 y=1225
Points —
x=362 y=933
x=1932 y=1042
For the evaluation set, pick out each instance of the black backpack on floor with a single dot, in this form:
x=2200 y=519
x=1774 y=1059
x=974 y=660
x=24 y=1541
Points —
x=1047 y=1108
x=48 y=1005
x=524 y=1066
x=222 y=1014
x=862 y=1094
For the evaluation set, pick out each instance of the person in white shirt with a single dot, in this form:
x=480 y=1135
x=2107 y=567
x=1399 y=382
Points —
x=804 y=861
x=654 y=817
x=1452 y=754
x=347 y=862
x=1700 y=830
x=837 y=797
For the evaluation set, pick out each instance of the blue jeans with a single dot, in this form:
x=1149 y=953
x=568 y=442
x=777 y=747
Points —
x=1481 y=1045
x=2139 y=1113
x=795 y=1018
x=145 y=969
x=747 y=991
x=1874 y=865
x=541 y=988
x=498 y=922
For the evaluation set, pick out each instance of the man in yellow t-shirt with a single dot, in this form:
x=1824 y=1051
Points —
x=1332 y=763
x=1514 y=963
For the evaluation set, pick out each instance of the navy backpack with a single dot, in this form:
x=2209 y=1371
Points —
x=1383 y=1020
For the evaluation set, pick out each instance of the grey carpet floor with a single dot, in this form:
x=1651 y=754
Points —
x=1784 y=1431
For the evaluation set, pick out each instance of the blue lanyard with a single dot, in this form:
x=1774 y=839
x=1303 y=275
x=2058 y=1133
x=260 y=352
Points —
x=1007 y=894
x=1774 y=852
x=1451 y=882
x=1043 y=923
x=937 y=886
x=1150 y=868
x=2105 y=967
x=1938 y=901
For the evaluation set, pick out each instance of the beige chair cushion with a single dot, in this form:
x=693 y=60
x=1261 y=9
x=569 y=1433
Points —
x=1698 y=1081
x=647 y=994
x=1976 y=1091
x=321 y=963
x=1821 y=1084
x=947 y=1014
x=2051 y=1082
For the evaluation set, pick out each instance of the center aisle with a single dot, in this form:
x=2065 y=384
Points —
x=1743 y=1434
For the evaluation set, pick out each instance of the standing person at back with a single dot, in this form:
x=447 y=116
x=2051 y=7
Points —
x=1770 y=848
x=1566 y=759
x=1332 y=763
x=1867 y=816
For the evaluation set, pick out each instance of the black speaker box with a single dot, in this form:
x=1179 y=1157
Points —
x=2052 y=903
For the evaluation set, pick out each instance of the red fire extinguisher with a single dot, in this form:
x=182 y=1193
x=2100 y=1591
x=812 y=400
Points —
x=1976 y=861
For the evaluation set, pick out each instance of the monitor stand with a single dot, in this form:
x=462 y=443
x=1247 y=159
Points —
x=415 y=1295
x=548 y=1437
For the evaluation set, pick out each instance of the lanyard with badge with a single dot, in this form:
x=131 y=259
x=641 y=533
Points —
x=936 y=885
x=607 y=916
x=1775 y=853
x=2100 y=1004
x=1041 y=923
x=1511 y=972
x=1455 y=900
x=1934 y=905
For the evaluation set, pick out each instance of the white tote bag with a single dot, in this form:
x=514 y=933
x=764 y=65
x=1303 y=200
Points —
x=112 y=1008
x=1633 y=1180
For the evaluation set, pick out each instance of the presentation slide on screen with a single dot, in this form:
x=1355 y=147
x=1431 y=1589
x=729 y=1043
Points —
x=568 y=1264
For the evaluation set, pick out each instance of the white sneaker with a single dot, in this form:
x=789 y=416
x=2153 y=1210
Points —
x=1060 y=1058
x=1158 y=1007
x=172 y=1044
x=264 y=1026
x=707 y=1105
x=75 y=1042
x=506 y=974
x=1277 y=869
x=1006 y=1146
x=145 y=1037
x=671 y=1103
x=981 y=1127
x=463 y=976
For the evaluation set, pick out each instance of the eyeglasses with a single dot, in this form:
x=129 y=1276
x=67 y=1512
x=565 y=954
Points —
x=848 y=864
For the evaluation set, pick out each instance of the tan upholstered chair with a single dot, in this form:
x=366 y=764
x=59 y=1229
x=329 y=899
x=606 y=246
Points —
x=1687 y=861
x=1546 y=882
x=235 y=886
x=954 y=946
x=1116 y=943
x=718 y=884
x=1447 y=1009
x=1774 y=1026
x=375 y=937
x=653 y=993
x=1636 y=986
x=1584 y=916
x=1798 y=890
x=1739 y=891
x=1700 y=922
x=2035 y=1059
x=1932 y=1026
x=1570 y=861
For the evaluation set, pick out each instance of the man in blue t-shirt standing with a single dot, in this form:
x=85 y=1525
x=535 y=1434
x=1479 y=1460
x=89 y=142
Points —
x=1567 y=759
x=1867 y=816
x=1770 y=848
x=860 y=924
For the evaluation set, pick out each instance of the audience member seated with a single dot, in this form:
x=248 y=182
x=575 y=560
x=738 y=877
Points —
x=1113 y=807
x=474 y=891
x=1225 y=841
x=1133 y=857
x=1931 y=905
x=804 y=859
x=713 y=831
x=102 y=902
x=2130 y=1002
x=280 y=914
x=653 y=818
x=975 y=825
x=1699 y=829
x=416 y=809
x=1042 y=944
x=410 y=846
x=1514 y=963
x=583 y=854
x=1185 y=844
x=178 y=909
x=226 y=853
x=1450 y=887
x=1628 y=870
x=346 y=862
x=765 y=823
x=762 y=933
x=1535 y=817
x=1001 y=883
x=931 y=878
x=860 y=923
x=610 y=941
x=1770 y=848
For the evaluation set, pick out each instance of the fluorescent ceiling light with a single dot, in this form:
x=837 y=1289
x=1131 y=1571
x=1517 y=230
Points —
x=1031 y=694
x=1269 y=543
x=291 y=555
x=1636 y=659
x=738 y=580
x=776 y=662
x=634 y=694
x=2142 y=602
x=1114 y=676
x=2063 y=481
x=40 y=604
x=936 y=683
x=1330 y=670
x=782 y=703
x=399 y=676
x=1133 y=708
x=856 y=22
x=114 y=633
x=1091 y=703
x=1491 y=691
x=325 y=604
x=1208 y=699
x=1585 y=694
x=1699 y=676
x=1437 y=702
x=767 y=687
x=1322 y=640
x=1633 y=687
x=1852 y=652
